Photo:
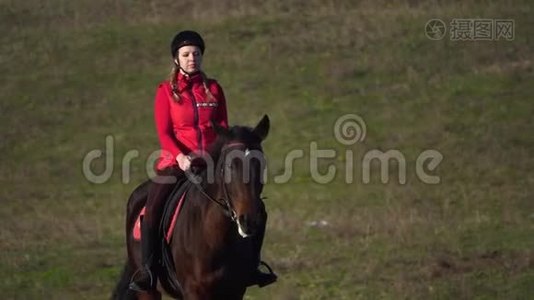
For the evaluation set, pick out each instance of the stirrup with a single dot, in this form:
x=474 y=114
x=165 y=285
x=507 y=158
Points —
x=134 y=286
x=265 y=279
x=262 y=263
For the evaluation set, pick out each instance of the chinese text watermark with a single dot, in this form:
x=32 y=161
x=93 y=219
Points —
x=472 y=29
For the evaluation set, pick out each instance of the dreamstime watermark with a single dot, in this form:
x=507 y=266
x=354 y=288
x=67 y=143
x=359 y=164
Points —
x=348 y=130
x=472 y=29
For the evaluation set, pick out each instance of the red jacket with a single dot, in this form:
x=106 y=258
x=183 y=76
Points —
x=184 y=126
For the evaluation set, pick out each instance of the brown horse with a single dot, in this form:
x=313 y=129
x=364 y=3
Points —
x=217 y=238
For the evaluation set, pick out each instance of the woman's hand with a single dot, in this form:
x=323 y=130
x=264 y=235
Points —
x=184 y=161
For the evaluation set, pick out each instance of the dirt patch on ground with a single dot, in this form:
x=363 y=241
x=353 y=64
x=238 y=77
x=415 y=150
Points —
x=445 y=265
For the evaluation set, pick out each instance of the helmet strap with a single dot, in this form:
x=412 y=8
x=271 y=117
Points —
x=183 y=70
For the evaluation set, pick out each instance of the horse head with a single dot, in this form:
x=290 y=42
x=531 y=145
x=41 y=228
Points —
x=240 y=167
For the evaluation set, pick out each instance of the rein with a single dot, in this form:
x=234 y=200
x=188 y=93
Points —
x=225 y=204
x=228 y=210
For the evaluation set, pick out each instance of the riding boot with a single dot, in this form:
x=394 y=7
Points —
x=146 y=278
x=259 y=277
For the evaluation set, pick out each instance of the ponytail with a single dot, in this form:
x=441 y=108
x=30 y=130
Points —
x=173 y=79
x=205 y=84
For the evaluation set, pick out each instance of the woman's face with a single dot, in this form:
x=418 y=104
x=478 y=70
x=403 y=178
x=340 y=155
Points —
x=189 y=58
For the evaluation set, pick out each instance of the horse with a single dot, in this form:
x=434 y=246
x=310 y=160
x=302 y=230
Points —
x=217 y=238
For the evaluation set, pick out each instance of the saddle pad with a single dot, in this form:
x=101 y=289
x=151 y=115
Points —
x=168 y=229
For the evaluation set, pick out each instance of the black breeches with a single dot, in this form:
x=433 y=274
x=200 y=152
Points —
x=158 y=193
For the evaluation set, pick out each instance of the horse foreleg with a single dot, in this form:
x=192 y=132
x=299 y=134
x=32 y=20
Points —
x=198 y=288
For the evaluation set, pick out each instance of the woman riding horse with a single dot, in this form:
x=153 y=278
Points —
x=185 y=105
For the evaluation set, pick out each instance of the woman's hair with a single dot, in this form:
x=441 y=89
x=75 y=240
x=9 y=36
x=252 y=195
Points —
x=173 y=79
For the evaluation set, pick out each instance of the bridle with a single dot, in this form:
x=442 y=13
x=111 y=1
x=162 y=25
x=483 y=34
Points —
x=225 y=203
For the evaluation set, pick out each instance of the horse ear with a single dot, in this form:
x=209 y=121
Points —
x=262 y=129
x=219 y=130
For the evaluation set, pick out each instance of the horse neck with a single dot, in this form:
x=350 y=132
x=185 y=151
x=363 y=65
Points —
x=214 y=223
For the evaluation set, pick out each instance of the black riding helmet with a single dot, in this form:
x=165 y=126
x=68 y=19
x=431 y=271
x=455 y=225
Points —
x=186 y=38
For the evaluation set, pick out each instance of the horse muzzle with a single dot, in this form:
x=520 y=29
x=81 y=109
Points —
x=245 y=226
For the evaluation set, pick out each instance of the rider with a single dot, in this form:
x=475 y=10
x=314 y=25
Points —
x=184 y=106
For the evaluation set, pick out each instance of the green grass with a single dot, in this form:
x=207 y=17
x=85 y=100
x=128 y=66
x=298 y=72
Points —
x=76 y=72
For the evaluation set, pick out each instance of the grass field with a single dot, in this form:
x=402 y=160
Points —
x=75 y=72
